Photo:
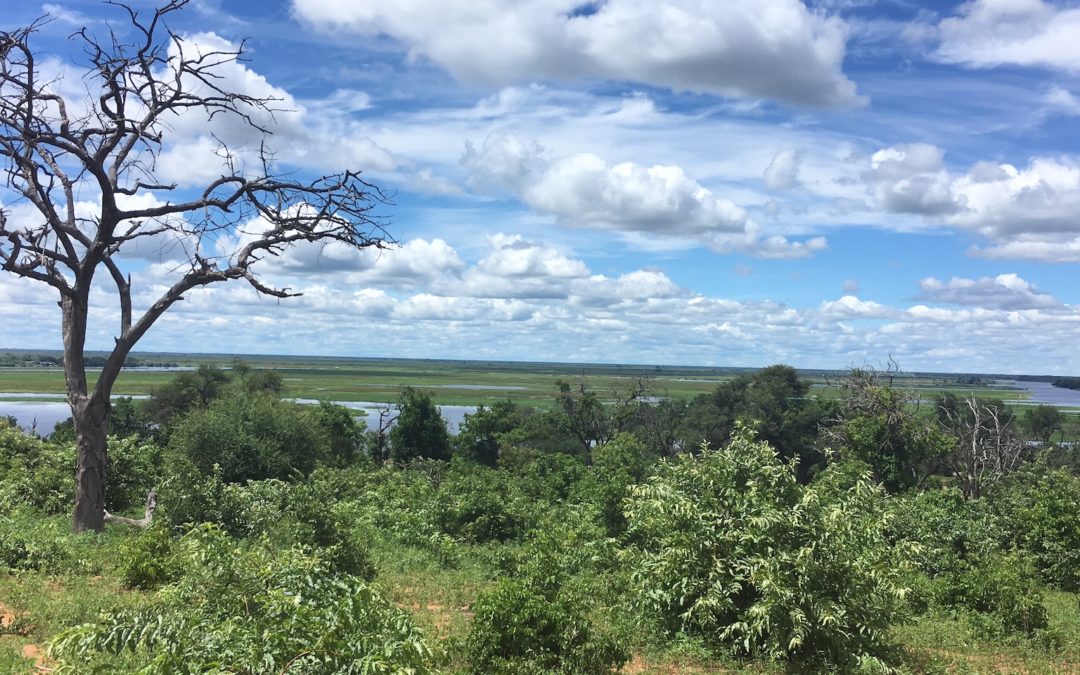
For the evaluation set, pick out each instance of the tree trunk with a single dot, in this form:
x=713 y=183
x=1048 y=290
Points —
x=89 y=416
x=91 y=421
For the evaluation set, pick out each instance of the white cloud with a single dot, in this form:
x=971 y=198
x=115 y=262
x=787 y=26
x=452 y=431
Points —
x=849 y=306
x=783 y=171
x=1005 y=291
x=989 y=33
x=765 y=48
x=323 y=139
x=1028 y=213
x=650 y=206
x=911 y=179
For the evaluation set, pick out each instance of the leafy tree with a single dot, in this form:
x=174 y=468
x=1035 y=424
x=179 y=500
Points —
x=478 y=437
x=1042 y=421
x=60 y=154
x=420 y=430
x=580 y=415
x=345 y=436
x=878 y=424
x=775 y=399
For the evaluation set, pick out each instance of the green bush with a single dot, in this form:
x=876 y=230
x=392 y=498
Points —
x=250 y=437
x=252 y=610
x=963 y=566
x=134 y=469
x=36 y=473
x=616 y=467
x=146 y=560
x=478 y=504
x=728 y=547
x=1040 y=513
x=300 y=514
x=533 y=625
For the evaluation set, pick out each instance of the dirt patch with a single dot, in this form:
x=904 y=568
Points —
x=7 y=616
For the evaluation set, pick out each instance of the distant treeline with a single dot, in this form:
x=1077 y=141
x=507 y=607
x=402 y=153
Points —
x=28 y=360
x=1067 y=382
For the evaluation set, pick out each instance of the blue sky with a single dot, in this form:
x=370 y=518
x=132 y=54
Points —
x=710 y=182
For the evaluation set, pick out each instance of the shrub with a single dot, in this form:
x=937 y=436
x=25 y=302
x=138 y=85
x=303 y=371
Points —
x=1040 y=513
x=36 y=473
x=478 y=504
x=240 y=609
x=146 y=560
x=616 y=467
x=729 y=547
x=533 y=624
x=964 y=566
x=250 y=437
x=134 y=469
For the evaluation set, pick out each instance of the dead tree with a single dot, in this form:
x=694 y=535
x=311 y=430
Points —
x=986 y=446
x=55 y=151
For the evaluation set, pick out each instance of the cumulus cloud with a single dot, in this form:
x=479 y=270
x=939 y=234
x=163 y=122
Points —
x=1005 y=291
x=911 y=179
x=989 y=33
x=1025 y=212
x=766 y=48
x=660 y=202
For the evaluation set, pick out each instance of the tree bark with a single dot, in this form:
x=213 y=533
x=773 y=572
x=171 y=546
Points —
x=91 y=420
x=89 y=416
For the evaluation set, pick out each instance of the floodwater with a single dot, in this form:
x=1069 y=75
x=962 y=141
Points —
x=45 y=415
x=1045 y=393
x=453 y=414
x=40 y=416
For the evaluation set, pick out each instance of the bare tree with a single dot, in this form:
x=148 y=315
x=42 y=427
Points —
x=56 y=150
x=987 y=447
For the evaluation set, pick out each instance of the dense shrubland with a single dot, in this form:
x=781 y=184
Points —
x=755 y=526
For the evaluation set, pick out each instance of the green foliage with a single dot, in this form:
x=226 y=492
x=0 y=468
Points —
x=478 y=438
x=775 y=399
x=963 y=567
x=479 y=504
x=534 y=623
x=247 y=609
x=877 y=426
x=345 y=436
x=1040 y=513
x=1041 y=421
x=420 y=431
x=250 y=438
x=287 y=514
x=729 y=547
x=34 y=472
x=146 y=560
x=135 y=467
x=616 y=467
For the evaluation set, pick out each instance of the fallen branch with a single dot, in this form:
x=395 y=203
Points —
x=144 y=522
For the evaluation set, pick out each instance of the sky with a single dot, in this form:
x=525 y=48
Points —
x=698 y=182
